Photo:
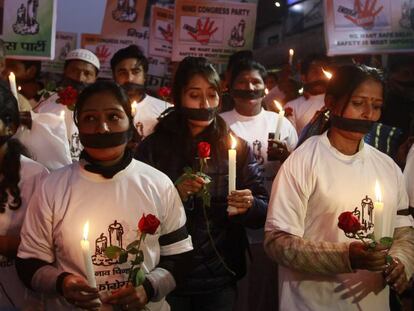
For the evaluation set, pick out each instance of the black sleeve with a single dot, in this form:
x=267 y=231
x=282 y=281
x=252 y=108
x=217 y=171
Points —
x=178 y=264
x=26 y=268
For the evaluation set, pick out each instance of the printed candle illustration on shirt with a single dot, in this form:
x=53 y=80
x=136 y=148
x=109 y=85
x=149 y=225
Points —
x=115 y=234
x=365 y=214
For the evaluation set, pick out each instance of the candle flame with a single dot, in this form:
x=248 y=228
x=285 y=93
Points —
x=62 y=114
x=19 y=88
x=134 y=107
x=86 y=230
x=300 y=91
x=278 y=105
x=233 y=142
x=266 y=91
x=327 y=74
x=291 y=52
x=378 y=195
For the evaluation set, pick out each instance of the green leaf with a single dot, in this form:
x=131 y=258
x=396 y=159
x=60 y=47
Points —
x=388 y=258
x=132 y=245
x=372 y=245
x=139 y=277
x=133 y=251
x=123 y=257
x=139 y=258
x=386 y=241
x=113 y=252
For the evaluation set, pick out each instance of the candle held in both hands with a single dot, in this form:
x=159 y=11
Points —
x=86 y=254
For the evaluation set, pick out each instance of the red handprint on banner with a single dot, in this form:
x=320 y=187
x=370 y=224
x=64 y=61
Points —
x=167 y=33
x=365 y=16
x=202 y=33
x=102 y=52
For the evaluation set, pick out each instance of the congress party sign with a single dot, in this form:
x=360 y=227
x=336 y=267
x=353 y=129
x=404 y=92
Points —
x=369 y=26
x=161 y=33
x=29 y=28
x=214 y=30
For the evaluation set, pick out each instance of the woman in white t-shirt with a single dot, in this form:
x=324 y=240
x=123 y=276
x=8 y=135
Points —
x=320 y=268
x=18 y=177
x=112 y=191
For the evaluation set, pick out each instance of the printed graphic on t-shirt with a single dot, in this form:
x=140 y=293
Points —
x=140 y=129
x=257 y=151
x=115 y=233
x=365 y=214
x=75 y=146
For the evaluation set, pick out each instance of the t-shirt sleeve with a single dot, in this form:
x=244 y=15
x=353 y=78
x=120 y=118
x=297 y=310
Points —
x=403 y=202
x=174 y=237
x=36 y=233
x=409 y=176
x=289 y=197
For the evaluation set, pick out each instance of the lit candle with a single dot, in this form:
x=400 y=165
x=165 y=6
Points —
x=266 y=91
x=86 y=254
x=232 y=171
x=327 y=74
x=134 y=108
x=280 y=117
x=12 y=81
x=291 y=53
x=378 y=213
x=62 y=114
x=19 y=88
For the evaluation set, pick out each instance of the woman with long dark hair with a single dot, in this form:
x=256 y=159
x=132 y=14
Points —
x=112 y=191
x=320 y=268
x=18 y=178
x=217 y=231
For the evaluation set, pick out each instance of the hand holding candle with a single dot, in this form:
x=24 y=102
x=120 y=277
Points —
x=232 y=170
x=86 y=254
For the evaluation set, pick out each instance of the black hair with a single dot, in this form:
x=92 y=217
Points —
x=187 y=69
x=132 y=51
x=37 y=64
x=217 y=132
x=313 y=59
x=347 y=78
x=10 y=168
x=237 y=57
x=103 y=86
x=247 y=65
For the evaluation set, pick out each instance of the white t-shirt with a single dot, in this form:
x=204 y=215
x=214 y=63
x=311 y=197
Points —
x=47 y=140
x=10 y=224
x=409 y=175
x=304 y=110
x=71 y=196
x=147 y=112
x=313 y=187
x=51 y=106
x=255 y=130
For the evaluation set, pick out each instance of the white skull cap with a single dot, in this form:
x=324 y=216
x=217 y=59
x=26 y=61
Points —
x=84 y=55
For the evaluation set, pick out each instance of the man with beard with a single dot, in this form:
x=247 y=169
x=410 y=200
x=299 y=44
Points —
x=314 y=85
x=81 y=69
x=129 y=69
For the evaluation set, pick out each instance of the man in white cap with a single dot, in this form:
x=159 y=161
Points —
x=81 y=69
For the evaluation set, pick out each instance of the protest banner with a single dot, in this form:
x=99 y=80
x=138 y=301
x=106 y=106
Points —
x=29 y=28
x=369 y=26
x=213 y=30
x=65 y=42
x=123 y=15
x=161 y=32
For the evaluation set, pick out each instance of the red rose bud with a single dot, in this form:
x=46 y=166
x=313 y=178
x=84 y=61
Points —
x=349 y=223
x=203 y=149
x=164 y=92
x=67 y=96
x=148 y=224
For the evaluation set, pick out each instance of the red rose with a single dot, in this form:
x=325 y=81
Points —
x=203 y=150
x=67 y=96
x=164 y=92
x=349 y=223
x=148 y=224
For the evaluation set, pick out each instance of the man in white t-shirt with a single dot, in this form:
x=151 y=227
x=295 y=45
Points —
x=129 y=69
x=251 y=122
x=304 y=107
x=81 y=69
